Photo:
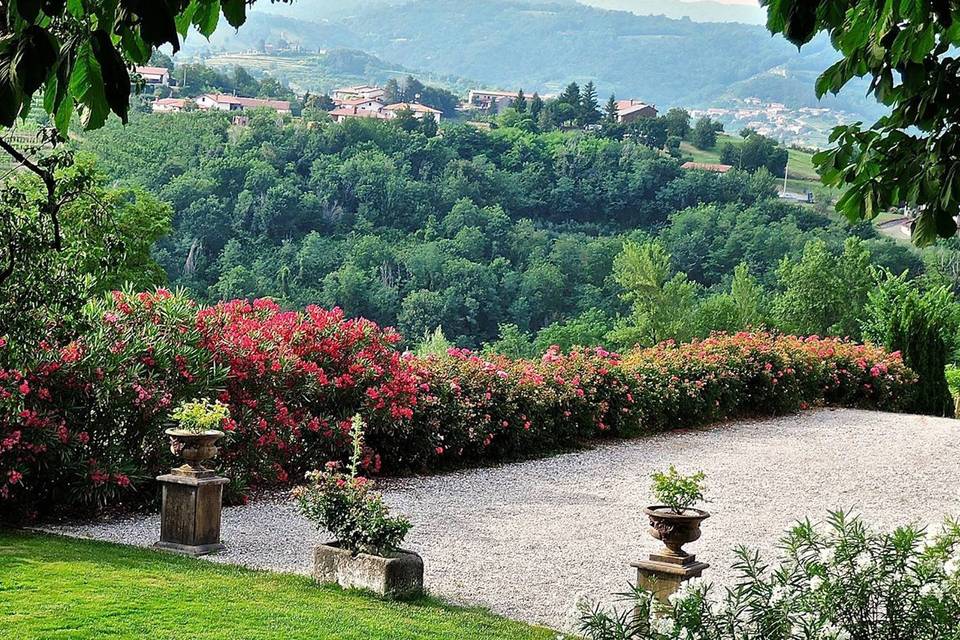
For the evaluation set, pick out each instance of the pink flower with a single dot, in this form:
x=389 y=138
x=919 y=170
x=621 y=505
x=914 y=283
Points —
x=14 y=476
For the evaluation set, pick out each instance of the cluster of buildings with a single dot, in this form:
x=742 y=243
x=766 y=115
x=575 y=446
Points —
x=362 y=101
x=804 y=125
x=161 y=77
x=367 y=101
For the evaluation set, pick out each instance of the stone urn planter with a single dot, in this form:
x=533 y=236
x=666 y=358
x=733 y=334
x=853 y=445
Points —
x=195 y=449
x=192 y=496
x=398 y=575
x=675 y=529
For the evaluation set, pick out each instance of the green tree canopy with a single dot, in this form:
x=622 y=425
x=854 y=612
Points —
x=910 y=156
x=79 y=51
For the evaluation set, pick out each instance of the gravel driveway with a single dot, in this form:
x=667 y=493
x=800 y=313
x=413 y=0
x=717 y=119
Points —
x=528 y=539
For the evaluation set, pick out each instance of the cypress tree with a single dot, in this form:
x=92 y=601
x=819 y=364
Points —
x=520 y=104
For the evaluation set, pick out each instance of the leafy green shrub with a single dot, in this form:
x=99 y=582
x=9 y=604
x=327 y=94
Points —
x=346 y=506
x=839 y=582
x=922 y=326
x=200 y=416
x=679 y=492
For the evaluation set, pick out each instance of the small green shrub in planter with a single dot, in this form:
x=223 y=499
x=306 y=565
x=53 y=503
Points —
x=674 y=520
x=196 y=434
x=366 y=553
x=842 y=581
x=676 y=491
x=200 y=416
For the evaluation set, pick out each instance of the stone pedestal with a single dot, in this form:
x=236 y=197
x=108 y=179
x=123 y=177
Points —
x=663 y=574
x=190 y=517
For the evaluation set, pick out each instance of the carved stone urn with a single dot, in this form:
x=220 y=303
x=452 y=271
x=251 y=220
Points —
x=195 y=448
x=675 y=529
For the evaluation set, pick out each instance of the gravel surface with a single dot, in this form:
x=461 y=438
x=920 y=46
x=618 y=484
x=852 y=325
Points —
x=529 y=539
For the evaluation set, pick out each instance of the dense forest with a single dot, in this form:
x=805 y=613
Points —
x=477 y=232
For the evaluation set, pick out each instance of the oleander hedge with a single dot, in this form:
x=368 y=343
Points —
x=81 y=425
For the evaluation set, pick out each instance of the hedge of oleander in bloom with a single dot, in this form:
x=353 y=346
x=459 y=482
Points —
x=82 y=425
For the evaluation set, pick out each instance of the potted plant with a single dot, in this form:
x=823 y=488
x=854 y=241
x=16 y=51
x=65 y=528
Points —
x=366 y=553
x=195 y=436
x=674 y=520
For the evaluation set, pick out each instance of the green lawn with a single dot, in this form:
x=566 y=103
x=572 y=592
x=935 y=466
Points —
x=52 y=587
x=800 y=166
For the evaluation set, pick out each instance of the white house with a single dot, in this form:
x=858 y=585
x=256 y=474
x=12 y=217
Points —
x=226 y=102
x=420 y=111
x=487 y=99
x=169 y=105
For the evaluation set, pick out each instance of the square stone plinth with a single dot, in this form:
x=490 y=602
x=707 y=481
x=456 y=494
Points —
x=662 y=575
x=190 y=516
x=398 y=576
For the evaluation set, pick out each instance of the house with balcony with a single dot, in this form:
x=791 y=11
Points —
x=226 y=102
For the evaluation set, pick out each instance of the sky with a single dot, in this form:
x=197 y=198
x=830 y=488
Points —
x=753 y=2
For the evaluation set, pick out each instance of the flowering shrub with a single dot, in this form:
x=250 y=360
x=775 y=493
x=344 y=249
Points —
x=82 y=425
x=346 y=506
x=296 y=378
x=845 y=583
x=759 y=373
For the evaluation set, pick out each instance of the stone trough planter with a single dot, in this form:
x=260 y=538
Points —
x=397 y=576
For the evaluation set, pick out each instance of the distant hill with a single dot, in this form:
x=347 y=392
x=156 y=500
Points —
x=323 y=72
x=696 y=10
x=541 y=46
x=703 y=11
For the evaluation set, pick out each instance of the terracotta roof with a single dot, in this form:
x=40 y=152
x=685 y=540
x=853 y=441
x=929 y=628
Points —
x=354 y=113
x=492 y=92
x=361 y=88
x=177 y=102
x=412 y=106
x=633 y=109
x=706 y=166
x=155 y=71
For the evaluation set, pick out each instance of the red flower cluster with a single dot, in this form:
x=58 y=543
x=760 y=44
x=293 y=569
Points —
x=296 y=378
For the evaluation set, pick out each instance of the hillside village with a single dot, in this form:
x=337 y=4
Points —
x=360 y=101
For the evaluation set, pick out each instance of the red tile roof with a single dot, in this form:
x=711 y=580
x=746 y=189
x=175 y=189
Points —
x=156 y=71
x=249 y=103
x=412 y=106
x=706 y=166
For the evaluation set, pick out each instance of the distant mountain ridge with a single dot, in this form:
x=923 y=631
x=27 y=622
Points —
x=696 y=10
x=542 y=45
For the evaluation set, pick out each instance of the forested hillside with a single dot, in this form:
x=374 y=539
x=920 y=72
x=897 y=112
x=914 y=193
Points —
x=542 y=46
x=468 y=231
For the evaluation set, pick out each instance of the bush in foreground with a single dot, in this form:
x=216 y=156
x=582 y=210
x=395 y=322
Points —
x=838 y=582
x=83 y=425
